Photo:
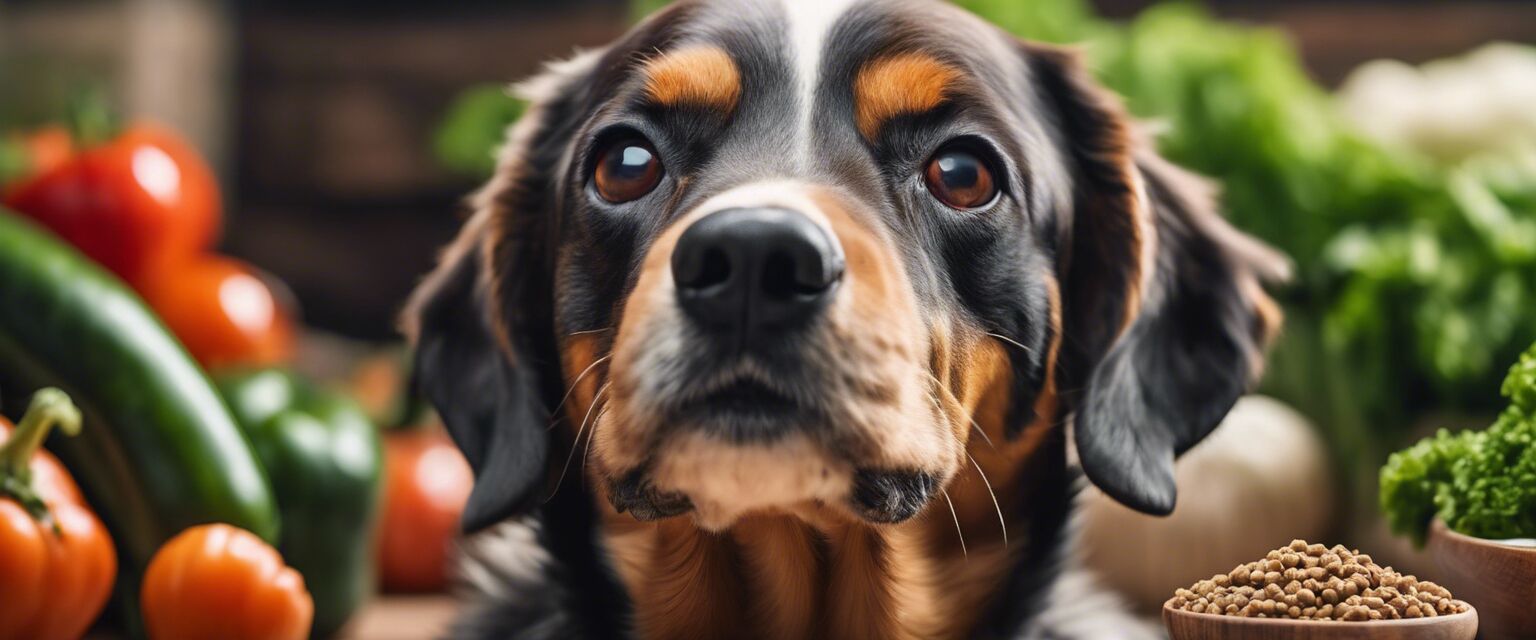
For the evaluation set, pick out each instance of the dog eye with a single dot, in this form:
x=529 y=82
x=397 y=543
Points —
x=626 y=170
x=960 y=179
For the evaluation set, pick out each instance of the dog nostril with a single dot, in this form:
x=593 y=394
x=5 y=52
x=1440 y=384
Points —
x=779 y=276
x=716 y=269
x=784 y=276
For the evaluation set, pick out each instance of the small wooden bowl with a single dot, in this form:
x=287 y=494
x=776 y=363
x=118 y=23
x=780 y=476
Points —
x=1499 y=579
x=1186 y=625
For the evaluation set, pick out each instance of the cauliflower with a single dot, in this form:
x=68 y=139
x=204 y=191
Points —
x=1481 y=483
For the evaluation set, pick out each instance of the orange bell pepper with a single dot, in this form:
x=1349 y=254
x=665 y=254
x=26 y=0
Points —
x=220 y=582
x=57 y=564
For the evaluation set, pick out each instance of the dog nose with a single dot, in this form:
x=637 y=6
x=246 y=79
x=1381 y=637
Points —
x=753 y=269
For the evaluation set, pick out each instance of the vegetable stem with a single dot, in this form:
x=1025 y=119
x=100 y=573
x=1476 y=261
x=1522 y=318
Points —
x=50 y=408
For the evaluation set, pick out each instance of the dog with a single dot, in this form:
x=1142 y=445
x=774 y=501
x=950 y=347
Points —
x=804 y=319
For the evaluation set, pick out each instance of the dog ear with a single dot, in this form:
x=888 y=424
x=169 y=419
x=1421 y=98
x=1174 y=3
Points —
x=1167 y=323
x=480 y=323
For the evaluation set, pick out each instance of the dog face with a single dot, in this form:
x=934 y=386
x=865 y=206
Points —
x=772 y=255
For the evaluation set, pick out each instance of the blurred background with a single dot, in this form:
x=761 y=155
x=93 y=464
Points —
x=1388 y=146
x=321 y=116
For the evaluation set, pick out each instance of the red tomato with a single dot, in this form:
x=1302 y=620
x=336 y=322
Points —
x=43 y=150
x=223 y=312
x=142 y=200
x=427 y=482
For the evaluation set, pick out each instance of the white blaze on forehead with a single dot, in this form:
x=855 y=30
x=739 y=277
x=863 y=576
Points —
x=810 y=22
x=784 y=194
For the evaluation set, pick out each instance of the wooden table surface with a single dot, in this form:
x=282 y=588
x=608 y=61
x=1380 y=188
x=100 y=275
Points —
x=402 y=618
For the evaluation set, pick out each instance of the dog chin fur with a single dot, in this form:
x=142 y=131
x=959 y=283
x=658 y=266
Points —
x=726 y=481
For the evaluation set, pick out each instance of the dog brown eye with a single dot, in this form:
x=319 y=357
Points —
x=626 y=171
x=960 y=179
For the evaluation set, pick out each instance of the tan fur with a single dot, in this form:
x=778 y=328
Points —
x=694 y=76
x=906 y=83
x=784 y=574
x=692 y=588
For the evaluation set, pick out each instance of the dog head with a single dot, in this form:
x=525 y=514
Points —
x=761 y=254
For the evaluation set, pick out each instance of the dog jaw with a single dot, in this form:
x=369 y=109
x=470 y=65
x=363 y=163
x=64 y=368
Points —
x=725 y=482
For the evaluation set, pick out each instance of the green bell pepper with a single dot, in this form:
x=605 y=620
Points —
x=324 y=459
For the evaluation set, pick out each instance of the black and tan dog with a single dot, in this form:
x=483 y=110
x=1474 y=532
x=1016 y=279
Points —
x=781 y=319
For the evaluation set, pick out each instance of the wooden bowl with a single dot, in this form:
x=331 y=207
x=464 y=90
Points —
x=1186 y=625
x=1498 y=579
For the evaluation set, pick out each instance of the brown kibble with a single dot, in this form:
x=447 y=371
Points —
x=1313 y=582
x=1361 y=582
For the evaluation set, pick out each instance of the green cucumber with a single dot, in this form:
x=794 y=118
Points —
x=160 y=451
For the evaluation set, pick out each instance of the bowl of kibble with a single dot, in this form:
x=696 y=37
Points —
x=1317 y=592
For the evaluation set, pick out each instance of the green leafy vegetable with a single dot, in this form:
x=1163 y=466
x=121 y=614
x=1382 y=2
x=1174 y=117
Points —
x=474 y=129
x=1481 y=483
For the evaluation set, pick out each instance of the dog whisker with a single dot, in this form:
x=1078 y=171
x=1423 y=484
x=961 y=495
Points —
x=938 y=405
x=556 y=412
x=588 y=332
x=1013 y=342
x=572 y=455
x=982 y=432
x=586 y=455
x=940 y=386
x=958 y=532
x=1000 y=520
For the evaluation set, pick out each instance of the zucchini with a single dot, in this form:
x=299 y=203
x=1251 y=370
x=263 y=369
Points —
x=160 y=452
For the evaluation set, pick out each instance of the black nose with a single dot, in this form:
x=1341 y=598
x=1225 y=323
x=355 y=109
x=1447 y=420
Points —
x=747 y=271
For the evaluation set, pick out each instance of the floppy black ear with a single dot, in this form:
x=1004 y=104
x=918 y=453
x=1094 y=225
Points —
x=481 y=324
x=489 y=399
x=1166 y=320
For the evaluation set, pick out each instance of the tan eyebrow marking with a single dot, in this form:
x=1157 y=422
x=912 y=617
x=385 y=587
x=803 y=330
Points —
x=697 y=76
x=905 y=83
